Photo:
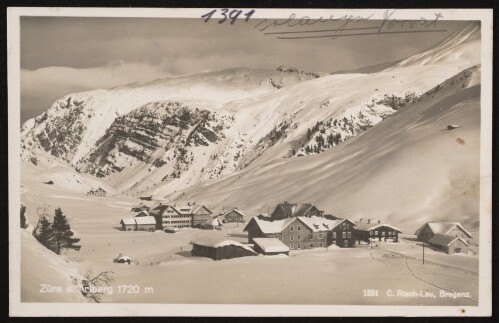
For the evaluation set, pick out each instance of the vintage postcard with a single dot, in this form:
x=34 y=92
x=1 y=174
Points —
x=250 y=162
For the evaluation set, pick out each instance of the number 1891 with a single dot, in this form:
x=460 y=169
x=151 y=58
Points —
x=228 y=14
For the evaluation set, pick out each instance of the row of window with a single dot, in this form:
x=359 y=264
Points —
x=344 y=235
x=310 y=237
x=175 y=216
x=382 y=233
x=311 y=245
x=178 y=221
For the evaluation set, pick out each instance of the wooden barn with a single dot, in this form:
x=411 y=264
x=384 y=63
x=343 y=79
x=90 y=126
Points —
x=429 y=229
x=368 y=232
x=233 y=216
x=449 y=244
x=270 y=246
x=220 y=249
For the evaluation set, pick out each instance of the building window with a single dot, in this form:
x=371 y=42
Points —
x=320 y=236
x=291 y=246
x=299 y=237
x=376 y=232
x=383 y=233
x=320 y=244
x=298 y=246
x=371 y=232
x=292 y=229
x=349 y=234
x=299 y=227
x=344 y=225
x=311 y=236
x=334 y=234
x=292 y=238
x=311 y=244
x=344 y=235
x=345 y=243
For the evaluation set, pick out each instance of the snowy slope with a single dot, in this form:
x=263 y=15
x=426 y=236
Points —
x=72 y=125
x=258 y=117
x=40 y=268
x=406 y=170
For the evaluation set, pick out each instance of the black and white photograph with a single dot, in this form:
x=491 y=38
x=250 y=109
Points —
x=211 y=161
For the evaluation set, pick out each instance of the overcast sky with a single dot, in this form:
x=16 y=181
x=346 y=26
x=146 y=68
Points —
x=60 y=55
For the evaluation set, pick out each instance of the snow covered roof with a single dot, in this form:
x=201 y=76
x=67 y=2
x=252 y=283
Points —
x=128 y=221
x=142 y=214
x=295 y=209
x=215 y=221
x=271 y=245
x=195 y=208
x=145 y=220
x=315 y=223
x=443 y=227
x=370 y=226
x=217 y=243
x=139 y=220
x=445 y=240
x=233 y=210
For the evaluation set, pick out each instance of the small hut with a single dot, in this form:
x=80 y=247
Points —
x=270 y=246
x=220 y=249
x=140 y=207
x=211 y=224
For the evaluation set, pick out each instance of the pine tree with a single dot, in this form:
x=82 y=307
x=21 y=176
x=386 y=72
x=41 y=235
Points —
x=44 y=233
x=23 y=217
x=62 y=233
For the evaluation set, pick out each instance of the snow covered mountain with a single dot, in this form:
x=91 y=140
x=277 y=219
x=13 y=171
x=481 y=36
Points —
x=167 y=135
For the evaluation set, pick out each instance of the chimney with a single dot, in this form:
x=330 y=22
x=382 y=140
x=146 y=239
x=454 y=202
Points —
x=188 y=203
x=379 y=221
x=360 y=221
x=368 y=221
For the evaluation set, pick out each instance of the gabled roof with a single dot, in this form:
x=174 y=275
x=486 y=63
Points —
x=271 y=245
x=100 y=190
x=145 y=220
x=196 y=208
x=443 y=228
x=128 y=221
x=139 y=220
x=142 y=214
x=267 y=226
x=294 y=209
x=233 y=210
x=445 y=240
x=217 y=243
x=371 y=226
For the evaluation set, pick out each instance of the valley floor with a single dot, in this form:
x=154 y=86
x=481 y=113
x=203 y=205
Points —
x=316 y=276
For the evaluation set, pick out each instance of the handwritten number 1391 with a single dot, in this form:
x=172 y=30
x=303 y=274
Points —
x=232 y=15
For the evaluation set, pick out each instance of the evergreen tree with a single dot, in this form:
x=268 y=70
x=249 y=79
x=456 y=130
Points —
x=23 y=217
x=62 y=233
x=44 y=233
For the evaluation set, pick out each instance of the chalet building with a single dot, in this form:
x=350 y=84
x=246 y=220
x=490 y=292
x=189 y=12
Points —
x=449 y=244
x=180 y=216
x=233 y=216
x=141 y=222
x=98 y=192
x=200 y=215
x=220 y=249
x=303 y=232
x=270 y=246
x=289 y=210
x=429 y=229
x=140 y=207
x=172 y=216
x=368 y=232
